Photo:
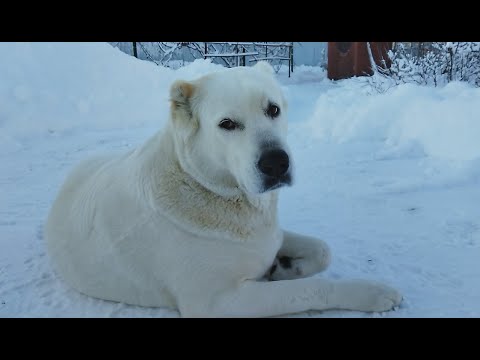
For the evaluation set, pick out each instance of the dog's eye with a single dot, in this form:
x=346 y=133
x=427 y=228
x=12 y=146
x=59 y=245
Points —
x=228 y=124
x=273 y=110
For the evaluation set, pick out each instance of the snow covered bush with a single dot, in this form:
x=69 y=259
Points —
x=443 y=63
x=463 y=61
x=166 y=54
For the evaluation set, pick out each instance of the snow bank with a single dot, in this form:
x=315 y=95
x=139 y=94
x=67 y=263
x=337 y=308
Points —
x=57 y=87
x=443 y=122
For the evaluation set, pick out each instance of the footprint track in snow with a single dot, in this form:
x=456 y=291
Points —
x=462 y=232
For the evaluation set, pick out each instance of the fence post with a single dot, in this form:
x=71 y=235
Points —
x=134 y=44
x=290 y=60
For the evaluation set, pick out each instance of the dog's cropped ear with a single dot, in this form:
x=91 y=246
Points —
x=264 y=66
x=181 y=97
x=181 y=93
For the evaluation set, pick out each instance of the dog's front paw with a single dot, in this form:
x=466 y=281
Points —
x=366 y=295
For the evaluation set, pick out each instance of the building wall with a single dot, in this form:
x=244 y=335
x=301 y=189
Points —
x=310 y=53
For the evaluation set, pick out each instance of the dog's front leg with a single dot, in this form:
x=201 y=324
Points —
x=300 y=256
x=261 y=299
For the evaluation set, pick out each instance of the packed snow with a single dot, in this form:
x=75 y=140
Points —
x=390 y=180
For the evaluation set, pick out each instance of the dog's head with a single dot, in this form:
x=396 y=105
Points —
x=230 y=130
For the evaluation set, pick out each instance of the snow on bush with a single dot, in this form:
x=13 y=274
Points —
x=445 y=62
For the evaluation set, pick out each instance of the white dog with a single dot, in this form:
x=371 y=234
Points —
x=189 y=219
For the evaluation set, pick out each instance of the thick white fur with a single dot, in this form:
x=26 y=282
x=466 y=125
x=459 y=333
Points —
x=182 y=221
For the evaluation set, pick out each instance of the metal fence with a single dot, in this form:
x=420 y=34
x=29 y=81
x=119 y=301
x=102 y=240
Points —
x=229 y=54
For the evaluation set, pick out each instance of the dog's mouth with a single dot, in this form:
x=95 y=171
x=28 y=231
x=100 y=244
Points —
x=271 y=183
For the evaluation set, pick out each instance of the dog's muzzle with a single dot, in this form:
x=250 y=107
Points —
x=274 y=165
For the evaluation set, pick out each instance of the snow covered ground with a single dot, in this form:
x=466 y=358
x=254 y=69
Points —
x=391 y=181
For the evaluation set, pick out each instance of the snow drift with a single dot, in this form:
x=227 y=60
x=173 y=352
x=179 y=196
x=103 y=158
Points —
x=58 y=87
x=443 y=122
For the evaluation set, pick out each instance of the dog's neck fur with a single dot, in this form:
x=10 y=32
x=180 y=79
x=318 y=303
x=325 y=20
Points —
x=182 y=199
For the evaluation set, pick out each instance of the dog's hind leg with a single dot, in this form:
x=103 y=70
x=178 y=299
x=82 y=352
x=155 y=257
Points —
x=300 y=256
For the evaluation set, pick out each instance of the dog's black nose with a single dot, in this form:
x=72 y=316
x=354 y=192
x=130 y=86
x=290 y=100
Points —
x=274 y=163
